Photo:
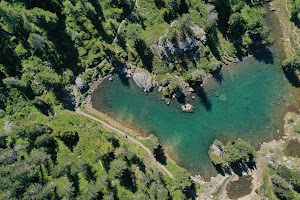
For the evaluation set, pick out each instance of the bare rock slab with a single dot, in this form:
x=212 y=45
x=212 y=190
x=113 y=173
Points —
x=187 y=108
x=143 y=81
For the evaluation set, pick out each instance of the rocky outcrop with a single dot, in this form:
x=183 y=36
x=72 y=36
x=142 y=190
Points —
x=199 y=33
x=7 y=126
x=189 y=43
x=80 y=84
x=144 y=81
x=176 y=49
x=217 y=149
x=187 y=107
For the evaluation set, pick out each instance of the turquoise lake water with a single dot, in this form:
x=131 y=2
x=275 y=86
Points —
x=247 y=101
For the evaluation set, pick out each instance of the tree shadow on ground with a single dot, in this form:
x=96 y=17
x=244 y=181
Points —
x=114 y=141
x=160 y=155
x=213 y=43
x=240 y=167
x=127 y=180
x=264 y=55
x=237 y=167
x=292 y=78
x=295 y=19
x=90 y=173
x=98 y=23
x=145 y=54
x=136 y=160
x=203 y=97
x=70 y=140
x=191 y=192
x=218 y=76
x=124 y=79
x=222 y=170
x=181 y=99
x=74 y=178
x=107 y=158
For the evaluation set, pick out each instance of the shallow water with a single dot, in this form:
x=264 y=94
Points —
x=246 y=101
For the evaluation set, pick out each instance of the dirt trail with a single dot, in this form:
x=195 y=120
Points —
x=292 y=36
x=104 y=124
x=123 y=21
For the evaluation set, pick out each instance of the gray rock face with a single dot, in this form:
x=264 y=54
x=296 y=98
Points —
x=218 y=150
x=144 y=81
x=186 y=44
x=80 y=84
x=199 y=33
x=187 y=107
x=190 y=43
x=7 y=126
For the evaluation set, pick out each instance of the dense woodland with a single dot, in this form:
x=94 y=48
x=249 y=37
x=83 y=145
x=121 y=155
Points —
x=47 y=152
x=44 y=45
x=69 y=157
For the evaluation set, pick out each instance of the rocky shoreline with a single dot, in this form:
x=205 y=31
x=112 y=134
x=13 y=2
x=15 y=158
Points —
x=270 y=153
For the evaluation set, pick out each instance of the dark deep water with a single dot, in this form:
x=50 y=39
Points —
x=247 y=102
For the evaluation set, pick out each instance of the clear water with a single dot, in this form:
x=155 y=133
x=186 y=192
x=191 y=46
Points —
x=246 y=102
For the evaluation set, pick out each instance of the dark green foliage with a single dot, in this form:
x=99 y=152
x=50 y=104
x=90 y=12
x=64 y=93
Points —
x=284 y=182
x=182 y=179
x=45 y=45
x=291 y=64
x=68 y=135
x=153 y=143
x=297 y=127
x=239 y=150
x=235 y=151
x=281 y=189
x=36 y=162
x=3 y=140
x=31 y=130
x=117 y=168
x=172 y=88
x=291 y=175
x=296 y=12
x=173 y=7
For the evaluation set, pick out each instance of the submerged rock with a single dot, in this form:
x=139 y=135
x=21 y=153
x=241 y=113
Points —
x=144 y=81
x=187 y=107
x=223 y=98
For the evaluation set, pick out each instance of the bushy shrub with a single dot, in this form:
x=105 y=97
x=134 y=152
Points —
x=291 y=175
x=281 y=189
x=291 y=64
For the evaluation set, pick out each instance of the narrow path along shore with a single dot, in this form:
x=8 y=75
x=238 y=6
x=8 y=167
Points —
x=128 y=137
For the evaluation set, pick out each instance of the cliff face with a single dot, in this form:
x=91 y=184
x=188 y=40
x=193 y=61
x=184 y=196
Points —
x=188 y=43
x=144 y=81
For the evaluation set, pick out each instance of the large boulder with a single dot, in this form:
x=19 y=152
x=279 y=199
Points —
x=80 y=84
x=144 y=81
x=187 y=107
x=199 y=33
